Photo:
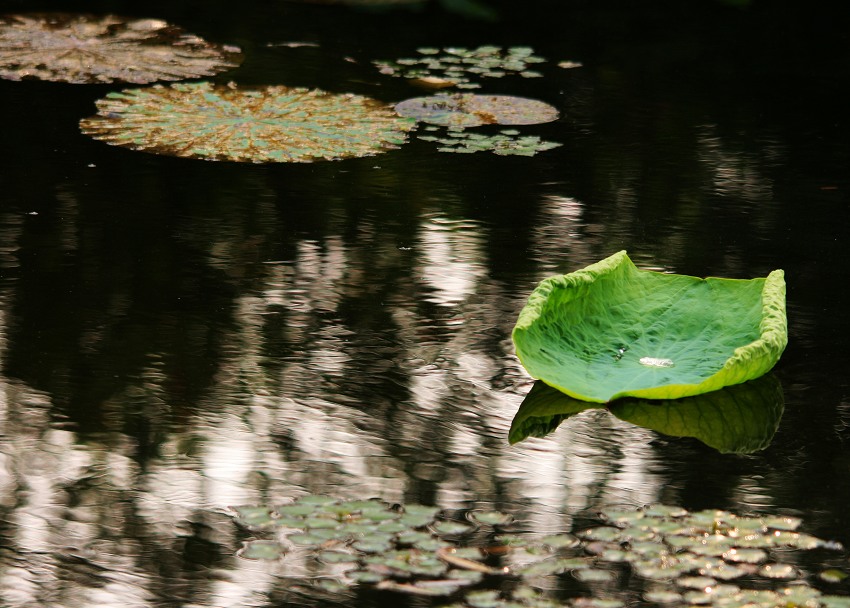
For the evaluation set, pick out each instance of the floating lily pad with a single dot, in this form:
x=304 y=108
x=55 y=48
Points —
x=682 y=556
x=598 y=334
x=468 y=110
x=506 y=143
x=91 y=49
x=460 y=66
x=491 y=518
x=269 y=124
x=261 y=549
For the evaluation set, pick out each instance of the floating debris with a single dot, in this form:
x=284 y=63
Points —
x=86 y=49
x=460 y=66
x=468 y=110
x=259 y=125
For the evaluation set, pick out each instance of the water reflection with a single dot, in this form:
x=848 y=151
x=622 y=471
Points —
x=737 y=419
x=176 y=338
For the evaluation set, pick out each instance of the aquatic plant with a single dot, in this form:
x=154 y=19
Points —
x=507 y=142
x=611 y=331
x=469 y=110
x=675 y=556
x=738 y=419
x=259 y=125
x=460 y=66
x=91 y=49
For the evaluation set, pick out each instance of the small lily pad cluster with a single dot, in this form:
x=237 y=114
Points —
x=508 y=142
x=408 y=549
x=460 y=111
x=459 y=66
x=692 y=558
x=682 y=558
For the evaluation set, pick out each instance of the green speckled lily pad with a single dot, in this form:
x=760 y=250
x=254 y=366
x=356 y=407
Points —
x=459 y=66
x=506 y=143
x=682 y=557
x=260 y=125
x=91 y=49
x=469 y=110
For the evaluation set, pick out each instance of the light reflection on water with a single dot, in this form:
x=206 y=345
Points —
x=177 y=339
x=416 y=411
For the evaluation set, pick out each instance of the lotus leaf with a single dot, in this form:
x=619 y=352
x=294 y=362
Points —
x=224 y=122
x=611 y=331
x=91 y=49
x=468 y=110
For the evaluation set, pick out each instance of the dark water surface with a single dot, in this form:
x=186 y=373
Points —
x=178 y=336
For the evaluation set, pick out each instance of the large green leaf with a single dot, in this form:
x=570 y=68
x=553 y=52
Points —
x=737 y=419
x=611 y=331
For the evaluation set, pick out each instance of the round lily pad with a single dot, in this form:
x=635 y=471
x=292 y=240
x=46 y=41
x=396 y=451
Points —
x=261 y=549
x=260 y=125
x=93 y=49
x=468 y=110
x=590 y=333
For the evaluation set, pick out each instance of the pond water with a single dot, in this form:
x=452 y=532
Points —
x=180 y=336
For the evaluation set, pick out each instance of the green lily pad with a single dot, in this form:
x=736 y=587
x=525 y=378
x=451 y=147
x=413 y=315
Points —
x=506 y=143
x=458 y=66
x=468 y=110
x=259 y=125
x=261 y=549
x=738 y=419
x=611 y=331
x=81 y=49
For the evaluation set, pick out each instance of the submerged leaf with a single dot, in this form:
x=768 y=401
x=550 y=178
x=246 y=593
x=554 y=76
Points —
x=270 y=124
x=91 y=49
x=585 y=333
x=468 y=110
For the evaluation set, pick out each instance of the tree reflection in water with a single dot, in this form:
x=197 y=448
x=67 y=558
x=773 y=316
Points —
x=176 y=339
x=322 y=385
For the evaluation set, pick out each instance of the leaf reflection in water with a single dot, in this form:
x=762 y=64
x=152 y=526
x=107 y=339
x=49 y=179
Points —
x=737 y=419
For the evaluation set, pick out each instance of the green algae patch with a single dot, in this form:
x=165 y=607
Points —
x=612 y=330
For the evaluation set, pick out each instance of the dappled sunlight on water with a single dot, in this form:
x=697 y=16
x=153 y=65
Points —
x=178 y=337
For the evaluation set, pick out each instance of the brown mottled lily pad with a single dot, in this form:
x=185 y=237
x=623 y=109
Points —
x=468 y=110
x=87 y=49
x=260 y=125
